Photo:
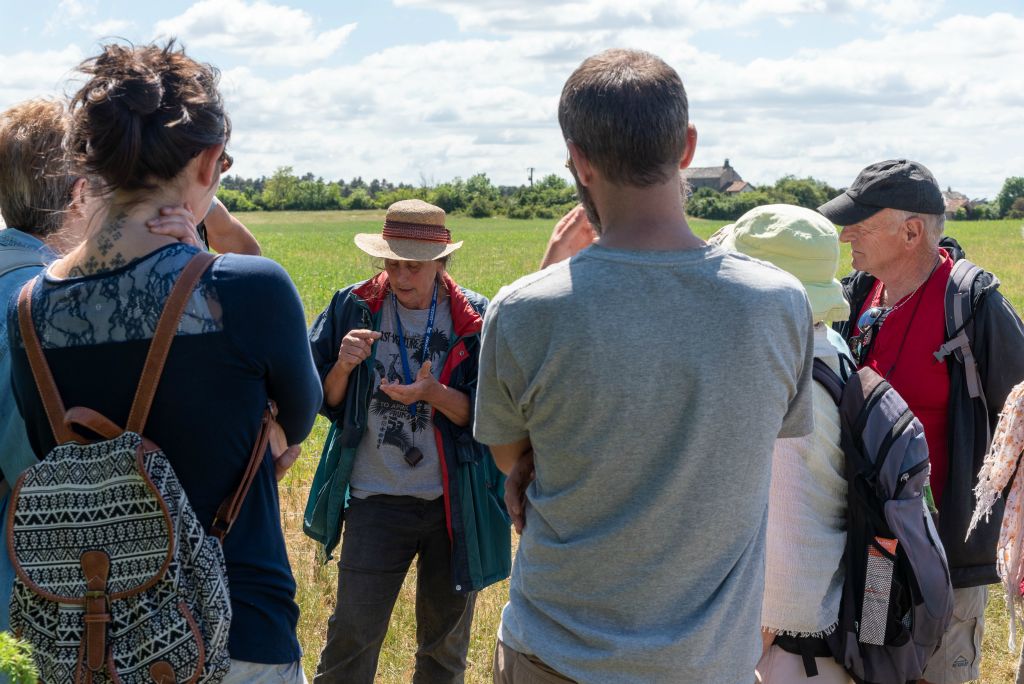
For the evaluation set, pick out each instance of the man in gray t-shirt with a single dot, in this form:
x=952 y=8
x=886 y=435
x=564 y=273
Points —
x=643 y=382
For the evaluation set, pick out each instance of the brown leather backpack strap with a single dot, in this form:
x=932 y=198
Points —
x=228 y=511
x=92 y=421
x=166 y=329
x=45 y=383
x=96 y=569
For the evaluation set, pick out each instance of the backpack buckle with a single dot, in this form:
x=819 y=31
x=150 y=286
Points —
x=96 y=568
x=219 y=528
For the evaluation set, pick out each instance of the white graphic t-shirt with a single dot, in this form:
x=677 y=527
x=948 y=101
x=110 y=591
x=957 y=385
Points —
x=391 y=431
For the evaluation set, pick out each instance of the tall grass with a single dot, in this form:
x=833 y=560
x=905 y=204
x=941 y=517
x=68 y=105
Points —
x=317 y=250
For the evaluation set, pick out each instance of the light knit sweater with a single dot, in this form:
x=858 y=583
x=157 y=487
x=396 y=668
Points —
x=807 y=521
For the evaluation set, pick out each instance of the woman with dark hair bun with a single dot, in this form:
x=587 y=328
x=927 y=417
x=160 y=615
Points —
x=150 y=129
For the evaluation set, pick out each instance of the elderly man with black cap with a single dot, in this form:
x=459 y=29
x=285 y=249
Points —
x=911 y=296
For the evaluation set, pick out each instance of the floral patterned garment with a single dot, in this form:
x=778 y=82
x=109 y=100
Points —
x=1002 y=464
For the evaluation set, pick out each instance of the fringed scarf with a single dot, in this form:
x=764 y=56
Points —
x=1002 y=464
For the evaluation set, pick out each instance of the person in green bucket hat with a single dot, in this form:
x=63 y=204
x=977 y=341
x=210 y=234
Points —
x=807 y=499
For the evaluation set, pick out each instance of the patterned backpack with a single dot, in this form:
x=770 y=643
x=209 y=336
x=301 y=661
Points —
x=116 y=580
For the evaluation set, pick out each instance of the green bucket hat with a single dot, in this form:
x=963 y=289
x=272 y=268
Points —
x=800 y=241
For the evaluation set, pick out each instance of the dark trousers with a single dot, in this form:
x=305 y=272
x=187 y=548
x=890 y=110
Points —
x=382 y=535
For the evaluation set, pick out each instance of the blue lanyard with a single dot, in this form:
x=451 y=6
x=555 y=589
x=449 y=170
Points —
x=426 y=341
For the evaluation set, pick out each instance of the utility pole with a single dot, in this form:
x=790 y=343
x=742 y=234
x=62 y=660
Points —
x=530 y=169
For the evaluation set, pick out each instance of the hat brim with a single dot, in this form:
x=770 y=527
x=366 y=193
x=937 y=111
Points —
x=404 y=250
x=827 y=301
x=846 y=211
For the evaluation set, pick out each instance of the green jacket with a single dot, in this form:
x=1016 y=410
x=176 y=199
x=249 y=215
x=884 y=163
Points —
x=478 y=524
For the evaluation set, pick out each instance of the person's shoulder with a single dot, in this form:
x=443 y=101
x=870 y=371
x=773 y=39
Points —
x=247 y=266
x=250 y=276
x=537 y=286
x=475 y=299
x=746 y=272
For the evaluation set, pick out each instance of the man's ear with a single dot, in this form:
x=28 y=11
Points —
x=584 y=169
x=912 y=231
x=691 y=146
x=207 y=164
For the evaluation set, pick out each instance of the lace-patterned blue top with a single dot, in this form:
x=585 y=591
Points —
x=242 y=338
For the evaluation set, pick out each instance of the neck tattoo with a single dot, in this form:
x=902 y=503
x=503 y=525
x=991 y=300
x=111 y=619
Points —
x=102 y=253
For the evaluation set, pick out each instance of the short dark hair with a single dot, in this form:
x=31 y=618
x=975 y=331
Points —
x=627 y=112
x=36 y=177
x=144 y=113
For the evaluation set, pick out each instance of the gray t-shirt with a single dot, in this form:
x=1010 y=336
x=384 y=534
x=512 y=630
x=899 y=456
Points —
x=380 y=466
x=652 y=386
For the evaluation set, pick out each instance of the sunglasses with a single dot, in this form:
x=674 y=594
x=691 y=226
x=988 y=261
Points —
x=869 y=323
x=226 y=161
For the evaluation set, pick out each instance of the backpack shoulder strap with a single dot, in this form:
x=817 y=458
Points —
x=47 y=386
x=229 y=509
x=829 y=379
x=166 y=328
x=959 y=314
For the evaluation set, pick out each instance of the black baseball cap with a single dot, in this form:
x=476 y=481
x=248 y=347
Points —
x=891 y=184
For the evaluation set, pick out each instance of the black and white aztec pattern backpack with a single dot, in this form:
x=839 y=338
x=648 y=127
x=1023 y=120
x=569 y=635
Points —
x=116 y=580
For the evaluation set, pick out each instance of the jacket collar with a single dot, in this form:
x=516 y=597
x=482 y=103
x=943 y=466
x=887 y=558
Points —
x=465 y=318
x=14 y=238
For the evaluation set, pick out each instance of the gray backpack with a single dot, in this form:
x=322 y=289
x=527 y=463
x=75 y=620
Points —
x=897 y=598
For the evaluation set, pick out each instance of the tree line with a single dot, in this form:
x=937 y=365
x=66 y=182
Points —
x=548 y=198
x=812 y=193
x=476 y=196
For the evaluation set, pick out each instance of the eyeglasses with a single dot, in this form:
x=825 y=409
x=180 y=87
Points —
x=226 y=161
x=869 y=323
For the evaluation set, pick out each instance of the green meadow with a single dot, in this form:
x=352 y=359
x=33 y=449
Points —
x=317 y=250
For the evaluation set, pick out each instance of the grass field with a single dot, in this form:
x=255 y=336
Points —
x=317 y=250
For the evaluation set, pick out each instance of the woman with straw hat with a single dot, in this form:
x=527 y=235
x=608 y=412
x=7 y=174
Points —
x=397 y=355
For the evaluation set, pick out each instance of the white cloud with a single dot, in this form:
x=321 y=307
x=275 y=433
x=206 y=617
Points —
x=69 y=13
x=947 y=92
x=260 y=32
x=108 y=28
x=32 y=74
x=905 y=11
x=508 y=16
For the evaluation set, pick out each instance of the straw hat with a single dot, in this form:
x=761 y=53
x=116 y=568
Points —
x=413 y=231
x=797 y=240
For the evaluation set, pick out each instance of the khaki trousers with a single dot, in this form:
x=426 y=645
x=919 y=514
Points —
x=781 y=667
x=513 y=667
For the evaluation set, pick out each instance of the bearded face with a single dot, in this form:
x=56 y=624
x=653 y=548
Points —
x=586 y=200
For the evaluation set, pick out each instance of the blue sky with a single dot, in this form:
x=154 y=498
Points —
x=422 y=90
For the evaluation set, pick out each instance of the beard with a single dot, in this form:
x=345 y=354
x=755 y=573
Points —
x=591 y=209
x=587 y=201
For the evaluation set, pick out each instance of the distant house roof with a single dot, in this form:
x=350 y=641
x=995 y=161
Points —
x=717 y=178
x=703 y=172
x=740 y=186
x=955 y=200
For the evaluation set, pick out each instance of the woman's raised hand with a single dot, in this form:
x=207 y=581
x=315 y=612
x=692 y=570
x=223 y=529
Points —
x=356 y=347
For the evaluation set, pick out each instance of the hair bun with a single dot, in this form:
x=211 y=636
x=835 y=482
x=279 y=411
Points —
x=141 y=94
x=144 y=114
